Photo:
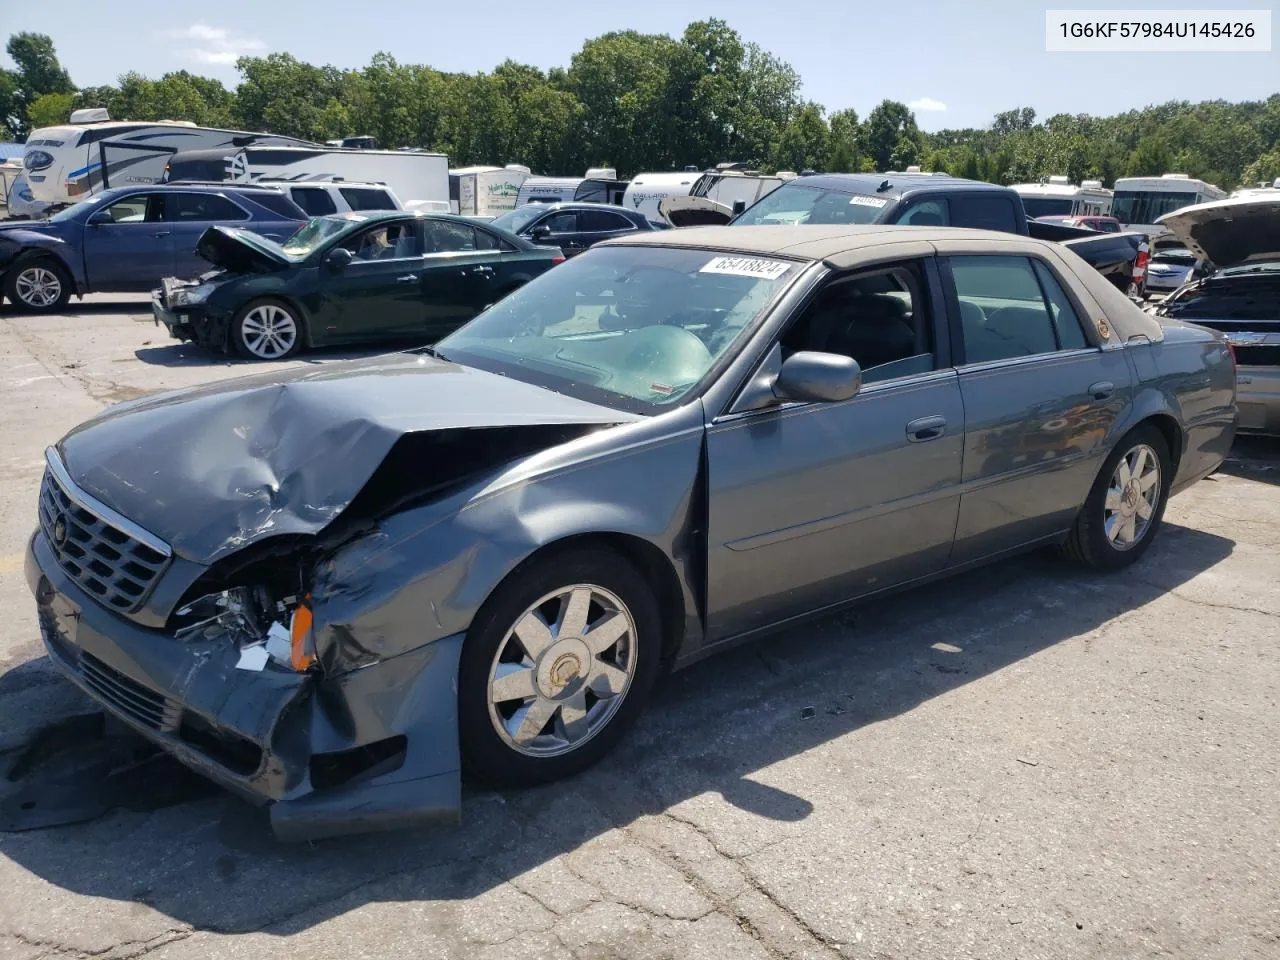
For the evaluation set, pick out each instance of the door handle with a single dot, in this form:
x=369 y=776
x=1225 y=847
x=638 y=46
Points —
x=482 y=269
x=926 y=428
x=163 y=233
x=408 y=278
x=1102 y=390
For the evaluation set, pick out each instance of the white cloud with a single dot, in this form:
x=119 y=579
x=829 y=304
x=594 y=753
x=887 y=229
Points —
x=928 y=104
x=213 y=45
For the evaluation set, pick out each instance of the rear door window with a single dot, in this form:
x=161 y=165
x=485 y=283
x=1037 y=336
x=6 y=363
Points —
x=197 y=207
x=984 y=212
x=1065 y=319
x=1003 y=312
x=315 y=201
x=603 y=221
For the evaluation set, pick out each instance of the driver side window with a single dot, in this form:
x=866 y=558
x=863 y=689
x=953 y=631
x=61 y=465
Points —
x=879 y=317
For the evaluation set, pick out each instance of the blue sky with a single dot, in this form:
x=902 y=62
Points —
x=956 y=65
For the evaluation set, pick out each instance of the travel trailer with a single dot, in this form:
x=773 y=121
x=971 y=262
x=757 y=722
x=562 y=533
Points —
x=1059 y=197
x=600 y=185
x=65 y=164
x=485 y=191
x=646 y=190
x=419 y=178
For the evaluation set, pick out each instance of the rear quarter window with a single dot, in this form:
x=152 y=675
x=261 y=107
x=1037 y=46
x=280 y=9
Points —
x=314 y=200
x=367 y=199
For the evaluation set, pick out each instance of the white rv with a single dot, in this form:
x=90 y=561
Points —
x=1058 y=197
x=1140 y=202
x=91 y=153
x=419 y=178
x=646 y=190
x=600 y=185
x=485 y=191
x=716 y=193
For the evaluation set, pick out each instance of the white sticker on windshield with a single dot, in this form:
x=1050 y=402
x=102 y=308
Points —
x=868 y=201
x=757 y=267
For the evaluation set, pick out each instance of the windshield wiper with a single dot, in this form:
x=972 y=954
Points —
x=433 y=352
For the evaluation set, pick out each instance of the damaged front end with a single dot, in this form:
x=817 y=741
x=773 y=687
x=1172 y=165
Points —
x=181 y=307
x=270 y=608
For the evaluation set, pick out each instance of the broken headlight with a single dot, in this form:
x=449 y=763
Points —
x=260 y=626
x=188 y=296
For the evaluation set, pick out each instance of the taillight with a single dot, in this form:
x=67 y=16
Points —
x=558 y=258
x=1140 y=262
x=1231 y=349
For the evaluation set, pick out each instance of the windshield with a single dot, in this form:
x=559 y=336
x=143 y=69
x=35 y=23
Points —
x=1143 y=206
x=519 y=218
x=1176 y=255
x=797 y=203
x=314 y=233
x=633 y=327
x=73 y=211
x=1047 y=206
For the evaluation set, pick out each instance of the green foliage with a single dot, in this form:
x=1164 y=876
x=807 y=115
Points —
x=643 y=102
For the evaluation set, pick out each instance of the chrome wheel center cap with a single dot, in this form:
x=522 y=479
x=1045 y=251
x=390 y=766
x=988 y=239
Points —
x=563 y=668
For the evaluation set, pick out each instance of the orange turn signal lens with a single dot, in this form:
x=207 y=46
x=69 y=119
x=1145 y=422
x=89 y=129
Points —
x=302 y=651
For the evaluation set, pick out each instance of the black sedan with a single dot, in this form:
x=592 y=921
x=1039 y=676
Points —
x=347 y=278
x=573 y=227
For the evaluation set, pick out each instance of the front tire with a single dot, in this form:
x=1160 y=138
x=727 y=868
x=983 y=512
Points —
x=267 y=329
x=556 y=667
x=1124 y=510
x=38 y=286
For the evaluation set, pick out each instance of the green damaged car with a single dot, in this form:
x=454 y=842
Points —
x=350 y=278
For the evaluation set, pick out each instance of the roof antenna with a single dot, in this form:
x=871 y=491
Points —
x=885 y=185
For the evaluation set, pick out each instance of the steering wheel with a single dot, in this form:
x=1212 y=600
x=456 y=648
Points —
x=673 y=353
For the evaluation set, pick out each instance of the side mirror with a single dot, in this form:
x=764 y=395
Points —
x=739 y=206
x=338 y=258
x=814 y=377
x=100 y=217
x=540 y=232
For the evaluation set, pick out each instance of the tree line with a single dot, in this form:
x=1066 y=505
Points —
x=650 y=102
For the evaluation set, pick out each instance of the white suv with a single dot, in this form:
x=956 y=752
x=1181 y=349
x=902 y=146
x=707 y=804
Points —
x=317 y=198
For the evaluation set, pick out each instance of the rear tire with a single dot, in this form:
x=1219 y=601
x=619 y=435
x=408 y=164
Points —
x=552 y=699
x=38 y=286
x=267 y=329
x=1125 y=508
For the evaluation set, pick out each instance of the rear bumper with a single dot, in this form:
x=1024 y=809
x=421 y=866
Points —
x=264 y=735
x=1258 y=397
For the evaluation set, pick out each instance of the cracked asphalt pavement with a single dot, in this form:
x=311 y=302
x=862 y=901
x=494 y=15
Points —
x=1027 y=761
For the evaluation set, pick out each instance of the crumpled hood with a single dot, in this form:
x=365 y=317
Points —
x=213 y=469
x=1229 y=232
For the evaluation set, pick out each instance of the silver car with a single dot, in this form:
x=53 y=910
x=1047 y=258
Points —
x=334 y=590
x=1168 y=270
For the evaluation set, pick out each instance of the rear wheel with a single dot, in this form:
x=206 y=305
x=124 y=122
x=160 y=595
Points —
x=555 y=668
x=267 y=330
x=40 y=286
x=1125 y=508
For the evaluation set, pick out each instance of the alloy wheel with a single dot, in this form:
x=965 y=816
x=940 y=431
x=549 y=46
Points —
x=1132 y=497
x=38 y=287
x=562 y=670
x=268 y=331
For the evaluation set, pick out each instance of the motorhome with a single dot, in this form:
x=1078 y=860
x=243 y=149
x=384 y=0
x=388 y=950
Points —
x=600 y=185
x=419 y=178
x=486 y=191
x=1139 y=202
x=65 y=164
x=1057 y=196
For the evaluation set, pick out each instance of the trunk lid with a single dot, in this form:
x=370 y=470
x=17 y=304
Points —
x=694 y=212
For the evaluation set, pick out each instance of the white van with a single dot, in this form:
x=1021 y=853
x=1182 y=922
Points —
x=68 y=163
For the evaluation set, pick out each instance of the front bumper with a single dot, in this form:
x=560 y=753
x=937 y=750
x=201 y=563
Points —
x=1258 y=399
x=274 y=737
x=192 y=323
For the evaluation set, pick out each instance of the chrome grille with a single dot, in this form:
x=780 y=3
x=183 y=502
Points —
x=111 y=564
x=128 y=696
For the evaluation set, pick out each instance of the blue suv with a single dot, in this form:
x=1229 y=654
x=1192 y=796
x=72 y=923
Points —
x=126 y=239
